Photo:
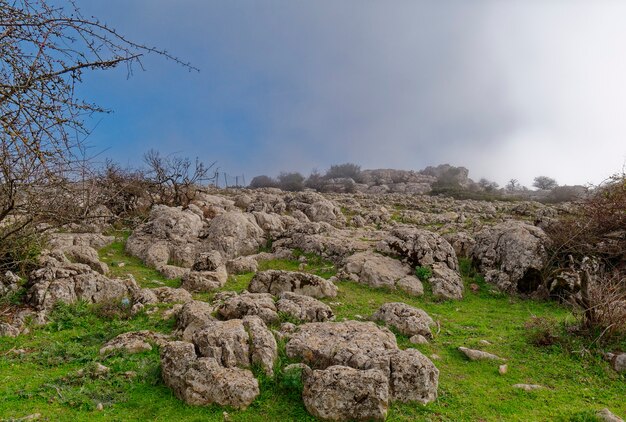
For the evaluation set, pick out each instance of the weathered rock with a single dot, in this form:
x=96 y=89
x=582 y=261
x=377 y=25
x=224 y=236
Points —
x=277 y=281
x=193 y=316
x=304 y=308
x=87 y=255
x=170 y=235
x=420 y=247
x=242 y=265
x=461 y=242
x=203 y=381
x=413 y=377
x=59 y=241
x=260 y=304
x=263 y=347
x=618 y=362
x=340 y=393
x=473 y=354
x=225 y=341
x=134 y=342
x=446 y=283
x=162 y=295
x=9 y=283
x=208 y=261
x=8 y=330
x=350 y=343
x=205 y=281
x=406 y=319
x=418 y=339
x=233 y=234
x=58 y=280
x=324 y=211
x=377 y=270
x=511 y=255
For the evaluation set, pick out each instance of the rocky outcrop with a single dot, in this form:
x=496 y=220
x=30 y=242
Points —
x=278 y=281
x=341 y=393
x=304 y=308
x=58 y=280
x=377 y=270
x=422 y=248
x=406 y=319
x=512 y=255
x=203 y=381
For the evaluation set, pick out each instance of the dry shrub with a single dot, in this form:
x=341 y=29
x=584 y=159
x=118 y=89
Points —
x=542 y=331
x=603 y=305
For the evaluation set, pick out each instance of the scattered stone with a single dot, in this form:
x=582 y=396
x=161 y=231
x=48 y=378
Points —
x=406 y=319
x=528 y=387
x=99 y=407
x=134 y=342
x=418 y=339
x=340 y=393
x=606 y=415
x=618 y=362
x=503 y=369
x=278 y=281
x=473 y=354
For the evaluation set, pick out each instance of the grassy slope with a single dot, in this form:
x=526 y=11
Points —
x=44 y=379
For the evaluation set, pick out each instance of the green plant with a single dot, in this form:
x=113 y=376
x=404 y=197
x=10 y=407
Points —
x=423 y=273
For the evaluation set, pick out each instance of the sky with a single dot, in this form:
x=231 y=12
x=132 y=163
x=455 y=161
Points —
x=508 y=89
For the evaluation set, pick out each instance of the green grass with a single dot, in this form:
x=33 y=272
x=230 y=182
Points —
x=45 y=380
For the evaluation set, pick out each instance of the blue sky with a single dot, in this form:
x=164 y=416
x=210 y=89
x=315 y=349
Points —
x=508 y=89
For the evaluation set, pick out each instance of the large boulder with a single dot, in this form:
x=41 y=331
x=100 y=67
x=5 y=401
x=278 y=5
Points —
x=193 y=316
x=377 y=270
x=406 y=319
x=512 y=255
x=234 y=234
x=203 y=381
x=58 y=280
x=364 y=345
x=238 y=343
x=278 y=281
x=87 y=255
x=340 y=393
x=304 y=308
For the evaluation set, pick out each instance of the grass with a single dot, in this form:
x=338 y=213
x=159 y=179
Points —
x=45 y=379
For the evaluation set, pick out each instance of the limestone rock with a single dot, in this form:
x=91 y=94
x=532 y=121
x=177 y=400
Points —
x=234 y=234
x=203 y=381
x=446 y=283
x=134 y=342
x=511 y=255
x=377 y=270
x=473 y=354
x=278 y=281
x=193 y=316
x=340 y=393
x=304 y=308
x=408 y=320
x=242 y=265
x=263 y=347
x=260 y=304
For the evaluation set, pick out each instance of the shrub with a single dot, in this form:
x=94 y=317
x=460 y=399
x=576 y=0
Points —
x=293 y=182
x=423 y=273
x=544 y=183
x=542 y=331
x=344 y=171
x=263 y=181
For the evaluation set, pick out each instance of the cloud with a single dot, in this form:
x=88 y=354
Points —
x=508 y=89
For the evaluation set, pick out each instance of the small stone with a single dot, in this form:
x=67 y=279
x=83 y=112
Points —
x=528 y=387
x=418 y=339
x=503 y=369
x=473 y=354
x=606 y=415
x=485 y=342
x=99 y=407
x=226 y=416
x=435 y=356
x=100 y=369
x=121 y=264
x=130 y=374
x=474 y=287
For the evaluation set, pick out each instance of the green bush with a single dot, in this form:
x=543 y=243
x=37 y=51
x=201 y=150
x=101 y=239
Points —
x=423 y=273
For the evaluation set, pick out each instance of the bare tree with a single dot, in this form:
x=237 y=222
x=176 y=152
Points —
x=176 y=179
x=44 y=52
